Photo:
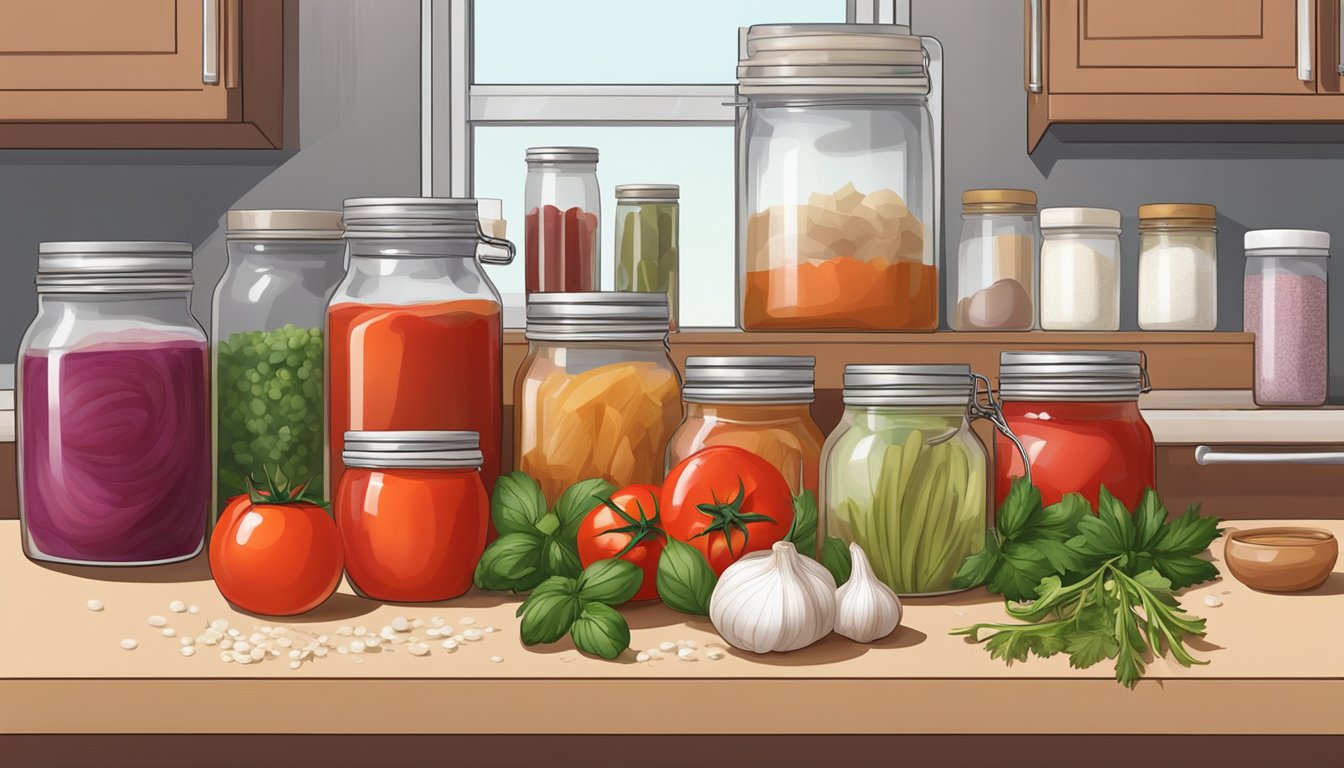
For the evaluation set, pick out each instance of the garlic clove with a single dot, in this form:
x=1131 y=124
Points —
x=773 y=601
x=866 y=609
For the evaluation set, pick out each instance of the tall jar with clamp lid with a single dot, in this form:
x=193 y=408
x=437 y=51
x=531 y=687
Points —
x=836 y=167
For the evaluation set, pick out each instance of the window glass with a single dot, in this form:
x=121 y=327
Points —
x=624 y=41
x=698 y=158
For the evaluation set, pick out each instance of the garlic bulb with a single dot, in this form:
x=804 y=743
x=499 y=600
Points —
x=774 y=601
x=865 y=608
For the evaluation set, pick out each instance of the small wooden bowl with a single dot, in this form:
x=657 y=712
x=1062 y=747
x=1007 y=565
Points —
x=1281 y=559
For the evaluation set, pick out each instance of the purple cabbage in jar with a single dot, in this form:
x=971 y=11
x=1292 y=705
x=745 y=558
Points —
x=115 y=464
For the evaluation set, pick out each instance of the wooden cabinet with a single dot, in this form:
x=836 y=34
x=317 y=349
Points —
x=1152 y=61
x=142 y=73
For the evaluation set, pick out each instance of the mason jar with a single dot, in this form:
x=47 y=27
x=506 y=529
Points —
x=597 y=395
x=995 y=286
x=1287 y=308
x=114 y=408
x=836 y=218
x=647 y=221
x=562 y=223
x=414 y=337
x=270 y=310
x=1178 y=267
x=1080 y=269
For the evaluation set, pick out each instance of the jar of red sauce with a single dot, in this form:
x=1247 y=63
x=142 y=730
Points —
x=1077 y=416
x=412 y=512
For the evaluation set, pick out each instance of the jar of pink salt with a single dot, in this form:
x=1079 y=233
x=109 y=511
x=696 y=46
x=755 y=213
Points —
x=1286 y=309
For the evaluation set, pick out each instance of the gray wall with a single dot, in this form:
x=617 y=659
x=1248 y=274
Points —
x=358 y=65
x=1259 y=177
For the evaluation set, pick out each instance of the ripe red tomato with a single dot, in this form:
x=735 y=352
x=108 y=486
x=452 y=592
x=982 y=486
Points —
x=726 y=501
x=278 y=559
x=626 y=527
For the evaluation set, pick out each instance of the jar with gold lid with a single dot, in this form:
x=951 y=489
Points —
x=995 y=284
x=1178 y=269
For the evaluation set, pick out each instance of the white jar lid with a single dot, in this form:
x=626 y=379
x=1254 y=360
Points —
x=1061 y=218
x=1257 y=239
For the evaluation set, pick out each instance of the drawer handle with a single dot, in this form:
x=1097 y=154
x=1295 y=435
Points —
x=1034 y=64
x=1304 y=68
x=1205 y=456
x=209 y=42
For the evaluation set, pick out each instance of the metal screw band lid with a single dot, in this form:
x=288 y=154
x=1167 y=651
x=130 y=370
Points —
x=1072 y=376
x=777 y=379
x=795 y=59
x=648 y=192
x=117 y=266
x=549 y=155
x=597 y=316
x=411 y=217
x=426 y=449
x=950 y=385
x=284 y=224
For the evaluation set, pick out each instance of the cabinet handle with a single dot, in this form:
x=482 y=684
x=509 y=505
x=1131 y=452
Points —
x=1339 y=38
x=1034 y=62
x=232 y=61
x=1304 y=70
x=209 y=42
x=1205 y=456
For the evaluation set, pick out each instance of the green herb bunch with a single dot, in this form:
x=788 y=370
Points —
x=582 y=608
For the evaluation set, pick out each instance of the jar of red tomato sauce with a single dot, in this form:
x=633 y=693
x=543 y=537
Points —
x=412 y=512
x=414 y=338
x=1077 y=416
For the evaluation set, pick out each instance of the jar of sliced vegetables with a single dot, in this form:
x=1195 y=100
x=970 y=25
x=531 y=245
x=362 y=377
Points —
x=903 y=475
x=597 y=395
x=646 y=240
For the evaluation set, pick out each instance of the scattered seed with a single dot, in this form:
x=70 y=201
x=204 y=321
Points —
x=95 y=605
x=295 y=664
x=187 y=641
x=489 y=630
x=187 y=650
x=361 y=631
x=157 y=621
x=685 y=654
x=417 y=623
x=242 y=646
x=129 y=644
x=355 y=647
x=689 y=644
x=225 y=657
x=467 y=621
x=226 y=644
x=667 y=647
x=715 y=654
x=284 y=642
x=388 y=632
x=258 y=654
x=496 y=659
x=437 y=621
x=432 y=632
x=450 y=645
x=1213 y=601
x=472 y=635
x=345 y=630
x=177 y=606
x=459 y=638
x=642 y=657
x=169 y=632
x=193 y=609
x=418 y=649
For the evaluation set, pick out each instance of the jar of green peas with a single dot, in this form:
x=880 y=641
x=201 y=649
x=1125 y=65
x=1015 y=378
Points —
x=268 y=343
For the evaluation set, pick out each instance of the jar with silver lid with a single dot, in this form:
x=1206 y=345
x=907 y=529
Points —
x=904 y=477
x=564 y=211
x=113 y=407
x=412 y=512
x=760 y=404
x=646 y=240
x=1286 y=306
x=598 y=394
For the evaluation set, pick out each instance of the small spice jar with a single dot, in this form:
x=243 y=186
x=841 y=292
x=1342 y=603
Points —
x=759 y=404
x=412 y=512
x=597 y=395
x=995 y=288
x=1178 y=277
x=563 y=210
x=1080 y=269
x=1286 y=307
x=647 y=219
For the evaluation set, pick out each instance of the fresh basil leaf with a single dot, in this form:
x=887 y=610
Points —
x=600 y=631
x=611 y=582
x=803 y=532
x=1021 y=568
x=685 y=580
x=1022 y=503
x=1059 y=521
x=1149 y=517
x=561 y=558
x=1118 y=521
x=513 y=561
x=977 y=568
x=550 y=611
x=517 y=505
x=835 y=556
x=577 y=501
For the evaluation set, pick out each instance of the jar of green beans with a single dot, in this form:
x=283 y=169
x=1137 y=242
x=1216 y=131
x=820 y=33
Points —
x=267 y=355
x=647 y=218
x=903 y=476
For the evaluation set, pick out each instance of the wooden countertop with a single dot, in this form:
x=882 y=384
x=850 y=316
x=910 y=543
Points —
x=62 y=670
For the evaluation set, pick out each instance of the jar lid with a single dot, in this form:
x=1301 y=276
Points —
x=284 y=224
x=597 y=316
x=1084 y=218
x=1291 y=239
x=411 y=217
x=1101 y=375
x=908 y=385
x=651 y=192
x=998 y=201
x=543 y=155
x=754 y=379
x=412 y=448
x=789 y=59
x=117 y=266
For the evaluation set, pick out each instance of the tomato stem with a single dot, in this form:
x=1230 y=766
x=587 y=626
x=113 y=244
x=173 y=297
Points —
x=639 y=530
x=728 y=515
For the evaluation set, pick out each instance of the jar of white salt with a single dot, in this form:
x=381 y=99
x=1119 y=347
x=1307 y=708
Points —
x=1286 y=308
x=1080 y=269
x=1178 y=282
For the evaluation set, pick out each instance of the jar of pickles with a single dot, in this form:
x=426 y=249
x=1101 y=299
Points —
x=996 y=262
x=760 y=404
x=597 y=395
x=646 y=240
x=904 y=477
x=561 y=224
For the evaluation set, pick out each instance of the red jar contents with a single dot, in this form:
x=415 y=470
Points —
x=1077 y=447
x=561 y=250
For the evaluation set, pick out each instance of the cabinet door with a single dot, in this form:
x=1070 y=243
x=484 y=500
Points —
x=1178 y=46
x=72 y=60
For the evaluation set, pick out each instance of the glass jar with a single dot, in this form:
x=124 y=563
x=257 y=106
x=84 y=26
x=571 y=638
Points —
x=1077 y=415
x=996 y=262
x=904 y=477
x=646 y=240
x=1080 y=269
x=597 y=395
x=270 y=307
x=562 y=221
x=759 y=404
x=412 y=512
x=836 y=220
x=114 y=408
x=1286 y=307
x=414 y=338
x=1178 y=267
